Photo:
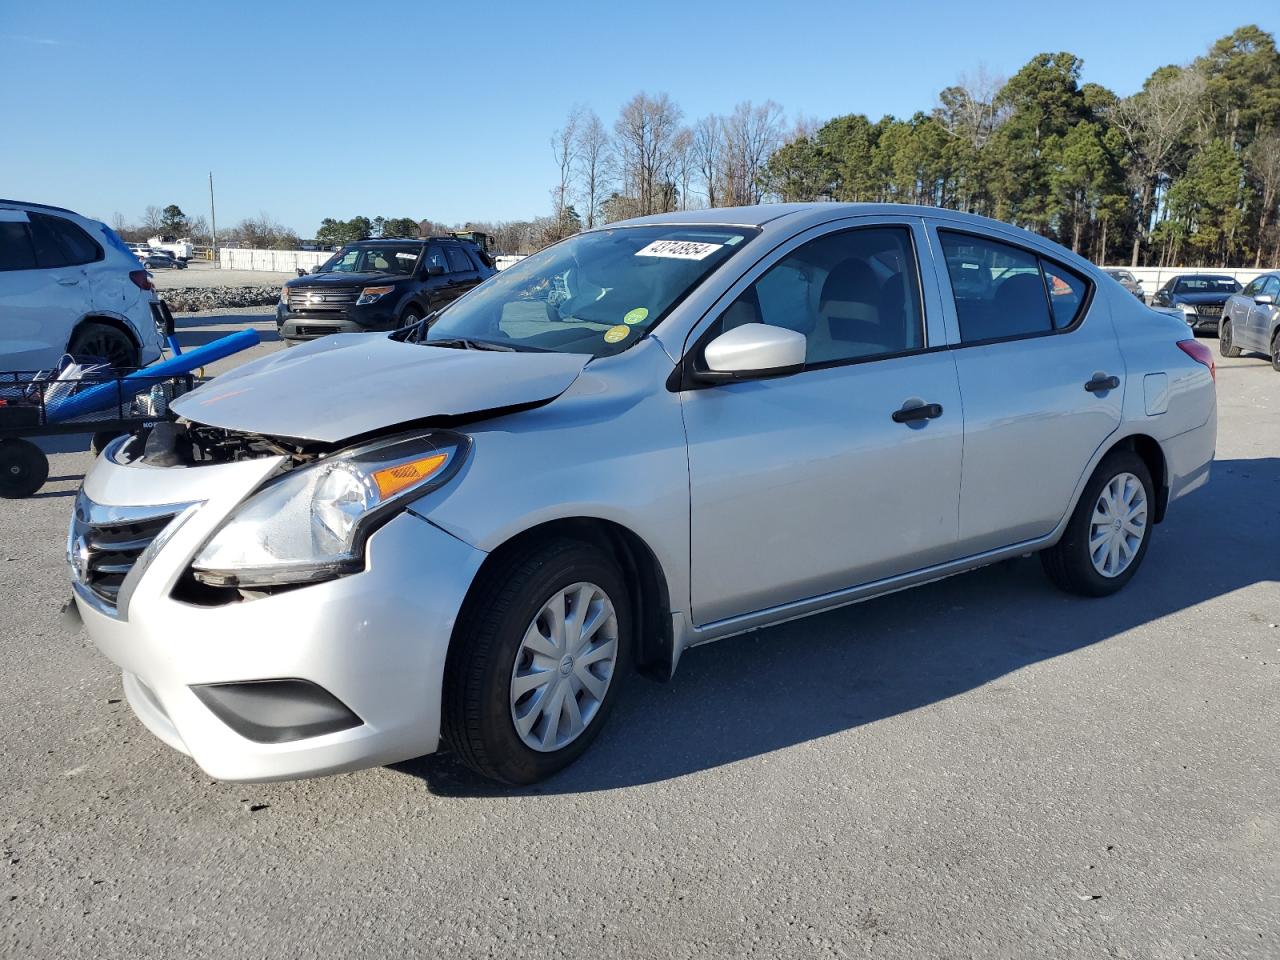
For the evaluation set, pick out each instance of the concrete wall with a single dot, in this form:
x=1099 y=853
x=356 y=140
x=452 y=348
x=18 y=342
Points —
x=275 y=261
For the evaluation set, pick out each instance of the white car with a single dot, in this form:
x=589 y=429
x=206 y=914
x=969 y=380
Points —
x=69 y=284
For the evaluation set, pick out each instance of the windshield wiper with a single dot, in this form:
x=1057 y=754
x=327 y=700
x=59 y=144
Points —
x=468 y=343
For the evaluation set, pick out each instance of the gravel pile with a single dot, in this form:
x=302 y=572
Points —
x=192 y=299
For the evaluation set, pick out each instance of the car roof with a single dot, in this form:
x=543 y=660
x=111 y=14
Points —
x=40 y=206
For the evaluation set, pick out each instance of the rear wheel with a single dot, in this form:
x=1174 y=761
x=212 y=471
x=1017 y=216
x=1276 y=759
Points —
x=1275 y=352
x=537 y=660
x=105 y=342
x=23 y=468
x=1226 y=345
x=1107 y=536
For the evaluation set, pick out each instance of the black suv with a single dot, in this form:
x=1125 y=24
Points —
x=380 y=285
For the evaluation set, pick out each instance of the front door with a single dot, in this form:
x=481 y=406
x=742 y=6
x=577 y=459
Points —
x=1042 y=378
x=1258 y=325
x=804 y=485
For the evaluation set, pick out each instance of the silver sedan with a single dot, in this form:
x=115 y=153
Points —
x=1251 y=320
x=649 y=436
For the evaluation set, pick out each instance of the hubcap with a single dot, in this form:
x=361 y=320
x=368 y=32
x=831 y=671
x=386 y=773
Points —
x=1118 y=526
x=564 y=666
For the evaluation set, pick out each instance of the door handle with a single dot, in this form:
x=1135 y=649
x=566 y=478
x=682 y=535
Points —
x=68 y=281
x=1102 y=382
x=925 y=411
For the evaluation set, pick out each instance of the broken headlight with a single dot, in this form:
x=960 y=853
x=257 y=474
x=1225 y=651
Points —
x=311 y=523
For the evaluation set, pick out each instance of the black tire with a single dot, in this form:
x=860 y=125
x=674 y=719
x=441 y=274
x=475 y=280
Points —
x=1067 y=562
x=1226 y=344
x=411 y=316
x=476 y=711
x=23 y=469
x=1275 y=352
x=106 y=342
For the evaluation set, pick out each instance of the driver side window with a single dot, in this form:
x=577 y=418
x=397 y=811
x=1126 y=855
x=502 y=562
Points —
x=854 y=295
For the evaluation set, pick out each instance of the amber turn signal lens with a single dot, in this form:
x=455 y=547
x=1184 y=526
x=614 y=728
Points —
x=391 y=480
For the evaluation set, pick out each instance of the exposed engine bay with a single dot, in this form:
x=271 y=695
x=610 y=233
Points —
x=183 y=443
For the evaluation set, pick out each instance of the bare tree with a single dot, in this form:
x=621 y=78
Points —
x=594 y=172
x=751 y=134
x=152 y=219
x=564 y=147
x=682 y=166
x=708 y=155
x=1264 y=162
x=646 y=130
x=971 y=109
x=1152 y=122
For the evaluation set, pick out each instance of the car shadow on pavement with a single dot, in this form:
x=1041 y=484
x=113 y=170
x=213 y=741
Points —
x=810 y=678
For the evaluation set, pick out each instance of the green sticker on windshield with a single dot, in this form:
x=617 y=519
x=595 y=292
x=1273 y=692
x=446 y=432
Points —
x=638 y=315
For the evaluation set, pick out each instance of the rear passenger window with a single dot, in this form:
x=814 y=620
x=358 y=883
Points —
x=854 y=295
x=997 y=288
x=15 y=247
x=77 y=246
x=1067 y=291
x=49 y=251
x=458 y=262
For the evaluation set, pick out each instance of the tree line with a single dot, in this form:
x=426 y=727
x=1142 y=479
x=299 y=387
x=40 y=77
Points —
x=1186 y=170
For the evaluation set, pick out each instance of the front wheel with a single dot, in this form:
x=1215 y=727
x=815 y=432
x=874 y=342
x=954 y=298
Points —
x=1109 y=530
x=541 y=649
x=410 y=317
x=1226 y=345
x=1275 y=352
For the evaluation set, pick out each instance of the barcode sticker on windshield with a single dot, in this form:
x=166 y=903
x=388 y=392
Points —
x=679 y=249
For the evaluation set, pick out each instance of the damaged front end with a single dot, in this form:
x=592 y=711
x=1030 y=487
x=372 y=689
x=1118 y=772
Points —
x=311 y=517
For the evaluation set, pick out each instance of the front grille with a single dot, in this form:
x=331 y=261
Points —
x=1209 y=309
x=322 y=302
x=105 y=544
x=302 y=330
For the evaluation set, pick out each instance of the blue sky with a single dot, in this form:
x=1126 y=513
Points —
x=445 y=110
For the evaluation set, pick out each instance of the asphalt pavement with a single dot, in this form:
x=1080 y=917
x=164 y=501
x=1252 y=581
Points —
x=982 y=767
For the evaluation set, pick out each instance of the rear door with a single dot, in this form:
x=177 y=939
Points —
x=462 y=275
x=42 y=295
x=1035 y=355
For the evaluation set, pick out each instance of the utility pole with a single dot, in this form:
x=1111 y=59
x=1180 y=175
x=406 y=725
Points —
x=213 y=220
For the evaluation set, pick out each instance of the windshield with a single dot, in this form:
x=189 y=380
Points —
x=379 y=258
x=595 y=293
x=1207 y=285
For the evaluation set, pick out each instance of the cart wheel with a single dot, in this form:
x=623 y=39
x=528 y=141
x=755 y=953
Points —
x=23 y=469
x=102 y=438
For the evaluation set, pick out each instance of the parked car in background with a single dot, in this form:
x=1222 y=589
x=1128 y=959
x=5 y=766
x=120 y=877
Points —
x=1200 y=297
x=645 y=437
x=159 y=260
x=139 y=250
x=1251 y=319
x=380 y=285
x=69 y=284
x=178 y=249
x=1128 y=281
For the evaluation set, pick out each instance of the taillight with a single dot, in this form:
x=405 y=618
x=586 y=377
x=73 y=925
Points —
x=1198 y=352
x=141 y=279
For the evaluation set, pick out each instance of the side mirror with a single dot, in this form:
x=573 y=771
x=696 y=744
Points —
x=1264 y=299
x=301 y=272
x=753 y=351
x=434 y=270
x=316 y=268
